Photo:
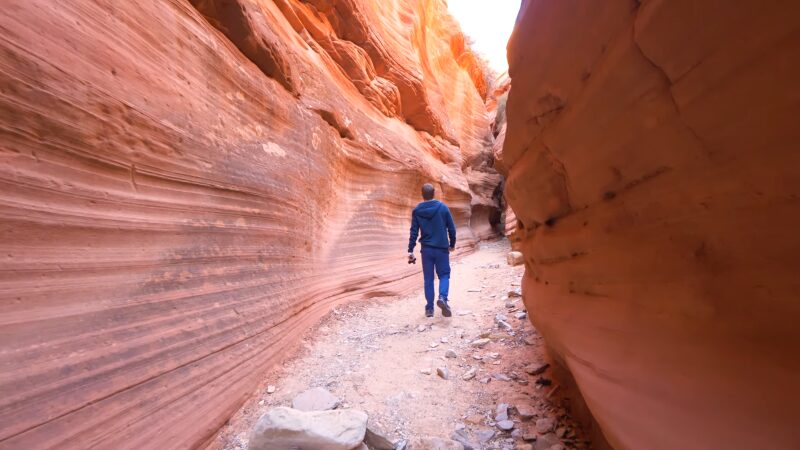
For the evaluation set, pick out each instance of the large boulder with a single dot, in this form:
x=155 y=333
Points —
x=286 y=428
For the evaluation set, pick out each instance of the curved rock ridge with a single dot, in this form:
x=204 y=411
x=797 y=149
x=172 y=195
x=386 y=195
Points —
x=652 y=163
x=185 y=186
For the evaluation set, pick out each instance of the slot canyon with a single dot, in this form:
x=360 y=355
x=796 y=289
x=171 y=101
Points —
x=189 y=187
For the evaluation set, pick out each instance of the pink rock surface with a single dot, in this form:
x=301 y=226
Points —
x=652 y=163
x=186 y=186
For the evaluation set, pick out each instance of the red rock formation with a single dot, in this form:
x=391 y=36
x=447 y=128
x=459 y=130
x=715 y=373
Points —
x=186 y=185
x=652 y=159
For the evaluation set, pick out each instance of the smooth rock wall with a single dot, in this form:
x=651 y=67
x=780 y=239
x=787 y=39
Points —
x=185 y=187
x=653 y=164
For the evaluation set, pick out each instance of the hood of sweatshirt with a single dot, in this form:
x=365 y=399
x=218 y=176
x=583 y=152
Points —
x=428 y=209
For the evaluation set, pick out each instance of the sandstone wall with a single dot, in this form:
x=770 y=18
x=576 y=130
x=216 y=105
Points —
x=653 y=161
x=186 y=186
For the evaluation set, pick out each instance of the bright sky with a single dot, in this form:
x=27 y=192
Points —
x=489 y=24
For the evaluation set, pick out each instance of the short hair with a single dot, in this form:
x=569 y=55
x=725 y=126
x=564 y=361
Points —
x=428 y=191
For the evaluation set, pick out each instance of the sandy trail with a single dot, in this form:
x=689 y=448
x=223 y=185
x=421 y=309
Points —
x=372 y=355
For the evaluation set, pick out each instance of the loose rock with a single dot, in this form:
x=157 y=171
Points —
x=546 y=442
x=525 y=412
x=283 y=427
x=501 y=412
x=450 y=353
x=505 y=325
x=443 y=372
x=484 y=435
x=315 y=399
x=515 y=258
x=480 y=343
x=545 y=425
x=461 y=437
x=426 y=371
x=536 y=369
x=505 y=425
x=271 y=389
x=376 y=440
x=475 y=419
x=470 y=374
x=433 y=443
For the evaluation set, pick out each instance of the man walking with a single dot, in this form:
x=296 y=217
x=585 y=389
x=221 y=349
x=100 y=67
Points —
x=433 y=218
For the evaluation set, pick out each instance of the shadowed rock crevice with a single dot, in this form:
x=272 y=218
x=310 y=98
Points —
x=334 y=121
x=250 y=35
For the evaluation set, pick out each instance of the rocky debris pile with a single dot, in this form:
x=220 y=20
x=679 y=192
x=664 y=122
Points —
x=283 y=428
x=315 y=423
x=522 y=427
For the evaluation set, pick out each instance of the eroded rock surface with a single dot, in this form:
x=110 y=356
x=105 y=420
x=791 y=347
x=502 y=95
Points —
x=652 y=162
x=187 y=185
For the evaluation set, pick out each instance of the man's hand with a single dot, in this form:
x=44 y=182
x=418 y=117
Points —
x=452 y=249
x=412 y=259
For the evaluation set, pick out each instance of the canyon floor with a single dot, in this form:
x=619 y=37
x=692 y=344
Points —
x=381 y=356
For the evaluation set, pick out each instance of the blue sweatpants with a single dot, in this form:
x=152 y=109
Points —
x=438 y=259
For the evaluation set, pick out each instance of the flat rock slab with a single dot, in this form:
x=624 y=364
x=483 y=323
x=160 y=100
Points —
x=480 y=342
x=505 y=425
x=315 y=399
x=536 y=369
x=287 y=428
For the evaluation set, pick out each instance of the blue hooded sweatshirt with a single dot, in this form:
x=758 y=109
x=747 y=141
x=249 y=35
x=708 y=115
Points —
x=433 y=218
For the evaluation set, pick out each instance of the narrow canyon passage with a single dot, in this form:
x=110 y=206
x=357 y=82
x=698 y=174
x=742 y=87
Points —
x=382 y=357
x=187 y=187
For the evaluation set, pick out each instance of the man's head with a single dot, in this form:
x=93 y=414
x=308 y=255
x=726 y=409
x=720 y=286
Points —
x=428 y=191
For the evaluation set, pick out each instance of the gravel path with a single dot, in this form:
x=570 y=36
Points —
x=382 y=356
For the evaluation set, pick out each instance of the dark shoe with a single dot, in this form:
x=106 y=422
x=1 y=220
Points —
x=428 y=313
x=442 y=303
